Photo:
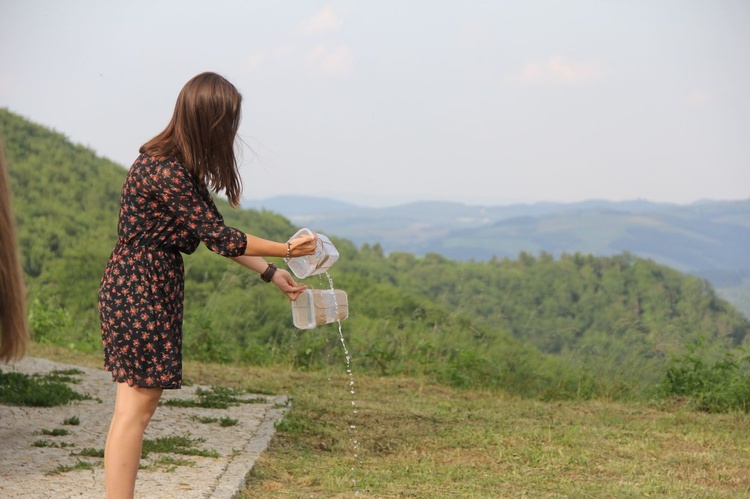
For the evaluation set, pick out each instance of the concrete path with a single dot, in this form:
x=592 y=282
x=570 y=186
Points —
x=28 y=470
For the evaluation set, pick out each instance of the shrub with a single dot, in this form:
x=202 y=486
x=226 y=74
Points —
x=713 y=384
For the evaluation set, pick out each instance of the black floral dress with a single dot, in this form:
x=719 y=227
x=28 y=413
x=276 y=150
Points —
x=163 y=211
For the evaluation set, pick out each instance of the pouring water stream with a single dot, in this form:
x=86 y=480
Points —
x=325 y=256
x=355 y=411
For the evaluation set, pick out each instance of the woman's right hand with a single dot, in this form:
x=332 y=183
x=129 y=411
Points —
x=286 y=283
x=303 y=245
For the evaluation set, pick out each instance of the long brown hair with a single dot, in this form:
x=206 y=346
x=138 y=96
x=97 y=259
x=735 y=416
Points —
x=13 y=326
x=202 y=133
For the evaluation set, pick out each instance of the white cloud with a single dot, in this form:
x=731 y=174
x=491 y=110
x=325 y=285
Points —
x=324 y=21
x=330 y=60
x=559 y=71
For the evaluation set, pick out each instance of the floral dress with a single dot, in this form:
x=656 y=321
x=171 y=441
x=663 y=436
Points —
x=163 y=211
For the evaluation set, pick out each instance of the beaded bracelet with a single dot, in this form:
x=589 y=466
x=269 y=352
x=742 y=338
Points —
x=288 y=250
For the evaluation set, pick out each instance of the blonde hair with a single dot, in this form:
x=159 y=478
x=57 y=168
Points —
x=13 y=325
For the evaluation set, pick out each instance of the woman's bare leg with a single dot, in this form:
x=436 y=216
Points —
x=122 y=452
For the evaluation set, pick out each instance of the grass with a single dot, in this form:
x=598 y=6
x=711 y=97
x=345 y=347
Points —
x=223 y=422
x=80 y=465
x=57 y=432
x=423 y=440
x=167 y=464
x=89 y=452
x=217 y=397
x=420 y=439
x=61 y=376
x=37 y=391
x=47 y=443
x=176 y=445
x=73 y=421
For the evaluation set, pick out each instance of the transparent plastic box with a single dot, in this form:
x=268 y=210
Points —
x=319 y=262
x=316 y=307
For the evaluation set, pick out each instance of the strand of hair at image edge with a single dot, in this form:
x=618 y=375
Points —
x=316 y=307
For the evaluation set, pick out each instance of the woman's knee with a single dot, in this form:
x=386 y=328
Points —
x=136 y=405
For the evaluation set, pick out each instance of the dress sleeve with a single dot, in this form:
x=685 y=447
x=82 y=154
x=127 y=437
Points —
x=172 y=185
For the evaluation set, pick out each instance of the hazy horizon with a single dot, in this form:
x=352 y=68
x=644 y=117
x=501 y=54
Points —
x=364 y=204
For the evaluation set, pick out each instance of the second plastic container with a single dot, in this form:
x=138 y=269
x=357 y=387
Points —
x=323 y=259
x=316 y=307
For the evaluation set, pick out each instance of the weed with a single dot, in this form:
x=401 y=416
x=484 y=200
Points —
x=73 y=421
x=204 y=419
x=24 y=390
x=80 y=465
x=167 y=464
x=48 y=443
x=67 y=372
x=61 y=376
x=89 y=452
x=255 y=400
x=224 y=422
x=176 y=445
x=216 y=398
x=57 y=432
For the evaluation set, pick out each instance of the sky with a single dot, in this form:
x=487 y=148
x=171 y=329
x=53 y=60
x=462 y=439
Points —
x=392 y=101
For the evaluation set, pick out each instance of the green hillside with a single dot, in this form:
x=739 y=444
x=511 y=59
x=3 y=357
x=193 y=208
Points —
x=573 y=325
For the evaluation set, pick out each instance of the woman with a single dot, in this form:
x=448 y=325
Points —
x=166 y=209
x=13 y=327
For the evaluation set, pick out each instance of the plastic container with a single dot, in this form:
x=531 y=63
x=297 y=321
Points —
x=316 y=307
x=319 y=262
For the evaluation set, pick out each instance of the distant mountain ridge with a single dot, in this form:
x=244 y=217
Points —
x=707 y=238
x=695 y=237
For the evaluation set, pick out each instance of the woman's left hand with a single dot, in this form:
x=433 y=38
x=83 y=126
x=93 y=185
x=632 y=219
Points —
x=286 y=283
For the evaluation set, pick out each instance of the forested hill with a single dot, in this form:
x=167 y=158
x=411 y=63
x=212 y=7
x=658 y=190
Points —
x=535 y=324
